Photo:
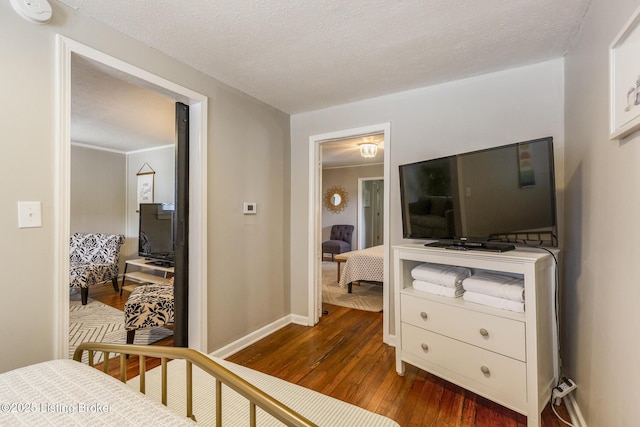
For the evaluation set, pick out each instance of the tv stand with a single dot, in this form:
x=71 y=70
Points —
x=148 y=264
x=507 y=357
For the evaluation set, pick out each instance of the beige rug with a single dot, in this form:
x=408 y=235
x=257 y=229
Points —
x=367 y=296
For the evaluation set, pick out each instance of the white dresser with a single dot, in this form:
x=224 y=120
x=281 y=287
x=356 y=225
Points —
x=507 y=357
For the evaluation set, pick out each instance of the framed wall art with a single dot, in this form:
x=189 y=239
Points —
x=624 y=75
x=145 y=184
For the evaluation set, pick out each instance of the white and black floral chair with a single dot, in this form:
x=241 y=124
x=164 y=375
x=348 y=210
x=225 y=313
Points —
x=93 y=259
x=148 y=306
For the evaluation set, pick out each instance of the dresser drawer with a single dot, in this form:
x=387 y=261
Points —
x=492 y=374
x=498 y=334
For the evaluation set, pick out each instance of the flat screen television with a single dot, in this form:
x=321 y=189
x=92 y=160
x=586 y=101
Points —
x=156 y=233
x=492 y=198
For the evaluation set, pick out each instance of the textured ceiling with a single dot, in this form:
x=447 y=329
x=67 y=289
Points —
x=115 y=112
x=302 y=55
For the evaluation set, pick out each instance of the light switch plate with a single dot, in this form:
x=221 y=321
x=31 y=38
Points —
x=29 y=214
x=249 y=208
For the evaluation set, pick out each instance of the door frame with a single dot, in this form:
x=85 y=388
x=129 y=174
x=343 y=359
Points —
x=198 y=105
x=315 y=218
x=361 y=181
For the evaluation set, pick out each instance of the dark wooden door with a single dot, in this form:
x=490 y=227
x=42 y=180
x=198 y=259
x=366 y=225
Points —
x=181 y=230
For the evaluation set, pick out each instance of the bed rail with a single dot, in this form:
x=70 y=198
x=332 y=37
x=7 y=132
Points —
x=254 y=395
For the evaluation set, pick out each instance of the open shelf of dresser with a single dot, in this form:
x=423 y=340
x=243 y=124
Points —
x=507 y=357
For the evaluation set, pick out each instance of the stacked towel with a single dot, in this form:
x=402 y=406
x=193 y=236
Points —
x=495 y=290
x=432 y=288
x=496 y=285
x=443 y=280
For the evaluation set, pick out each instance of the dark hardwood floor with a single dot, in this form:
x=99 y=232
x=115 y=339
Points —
x=344 y=357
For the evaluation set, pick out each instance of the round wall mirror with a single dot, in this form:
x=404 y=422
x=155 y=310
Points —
x=336 y=199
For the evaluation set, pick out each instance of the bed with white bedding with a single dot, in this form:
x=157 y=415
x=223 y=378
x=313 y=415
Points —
x=67 y=392
x=365 y=264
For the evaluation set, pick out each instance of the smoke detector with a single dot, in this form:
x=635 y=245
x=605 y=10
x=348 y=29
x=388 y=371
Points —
x=36 y=11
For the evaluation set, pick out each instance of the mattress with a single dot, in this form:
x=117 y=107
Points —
x=68 y=393
x=319 y=408
x=366 y=264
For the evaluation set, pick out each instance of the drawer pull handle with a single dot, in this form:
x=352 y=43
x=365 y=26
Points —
x=485 y=370
x=425 y=347
x=424 y=315
x=484 y=332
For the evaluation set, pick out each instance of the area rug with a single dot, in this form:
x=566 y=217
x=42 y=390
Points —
x=97 y=322
x=367 y=296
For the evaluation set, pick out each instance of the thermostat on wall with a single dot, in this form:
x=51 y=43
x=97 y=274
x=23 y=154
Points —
x=249 y=208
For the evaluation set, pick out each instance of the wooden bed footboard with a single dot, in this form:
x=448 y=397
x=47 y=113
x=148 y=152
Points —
x=255 y=396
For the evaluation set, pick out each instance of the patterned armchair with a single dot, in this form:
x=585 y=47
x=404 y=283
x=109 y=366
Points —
x=93 y=259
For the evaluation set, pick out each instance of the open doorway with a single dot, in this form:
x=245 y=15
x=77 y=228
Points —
x=197 y=165
x=318 y=181
x=370 y=212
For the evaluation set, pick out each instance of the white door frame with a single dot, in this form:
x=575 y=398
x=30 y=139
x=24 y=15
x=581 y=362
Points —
x=361 y=235
x=315 y=218
x=198 y=105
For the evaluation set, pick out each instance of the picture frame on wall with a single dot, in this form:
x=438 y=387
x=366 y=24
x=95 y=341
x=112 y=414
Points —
x=624 y=76
x=145 y=184
x=145 y=188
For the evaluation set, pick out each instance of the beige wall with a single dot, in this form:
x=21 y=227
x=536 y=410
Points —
x=348 y=179
x=248 y=160
x=600 y=294
x=98 y=197
x=163 y=161
x=490 y=110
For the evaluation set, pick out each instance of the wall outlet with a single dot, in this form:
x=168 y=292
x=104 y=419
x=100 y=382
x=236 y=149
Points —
x=566 y=387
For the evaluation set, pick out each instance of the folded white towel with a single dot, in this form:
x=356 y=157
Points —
x=494 y=302
x=435 y=289
x=496 y=285
x=445 y=275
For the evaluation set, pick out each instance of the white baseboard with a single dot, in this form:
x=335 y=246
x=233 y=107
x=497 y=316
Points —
x=300 y=320
x=255 y=336
x=574 y=411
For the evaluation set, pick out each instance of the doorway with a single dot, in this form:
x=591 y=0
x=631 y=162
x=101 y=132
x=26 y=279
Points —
x=197 y=103
x=315 y=218
x=370 y=212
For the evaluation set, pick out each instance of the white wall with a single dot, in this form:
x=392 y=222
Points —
x=601 y=292
x=248 y=149
x=494 y=109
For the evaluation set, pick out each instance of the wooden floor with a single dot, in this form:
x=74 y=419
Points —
x=344 y=357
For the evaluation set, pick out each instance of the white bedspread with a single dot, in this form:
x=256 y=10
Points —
x=68 y=393
x=319 y=408
x=366 y=264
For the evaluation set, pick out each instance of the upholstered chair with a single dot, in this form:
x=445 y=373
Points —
x=339 y=240
x=93 y=259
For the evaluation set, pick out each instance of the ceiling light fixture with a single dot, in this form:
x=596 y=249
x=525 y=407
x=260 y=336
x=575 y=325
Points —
x=368 y=149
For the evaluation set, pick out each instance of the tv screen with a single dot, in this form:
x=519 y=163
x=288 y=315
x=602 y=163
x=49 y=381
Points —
x=501 y=194
x=156 y=238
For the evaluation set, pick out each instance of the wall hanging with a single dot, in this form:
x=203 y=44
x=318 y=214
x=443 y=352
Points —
x=145 y=184
x=336 y=199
